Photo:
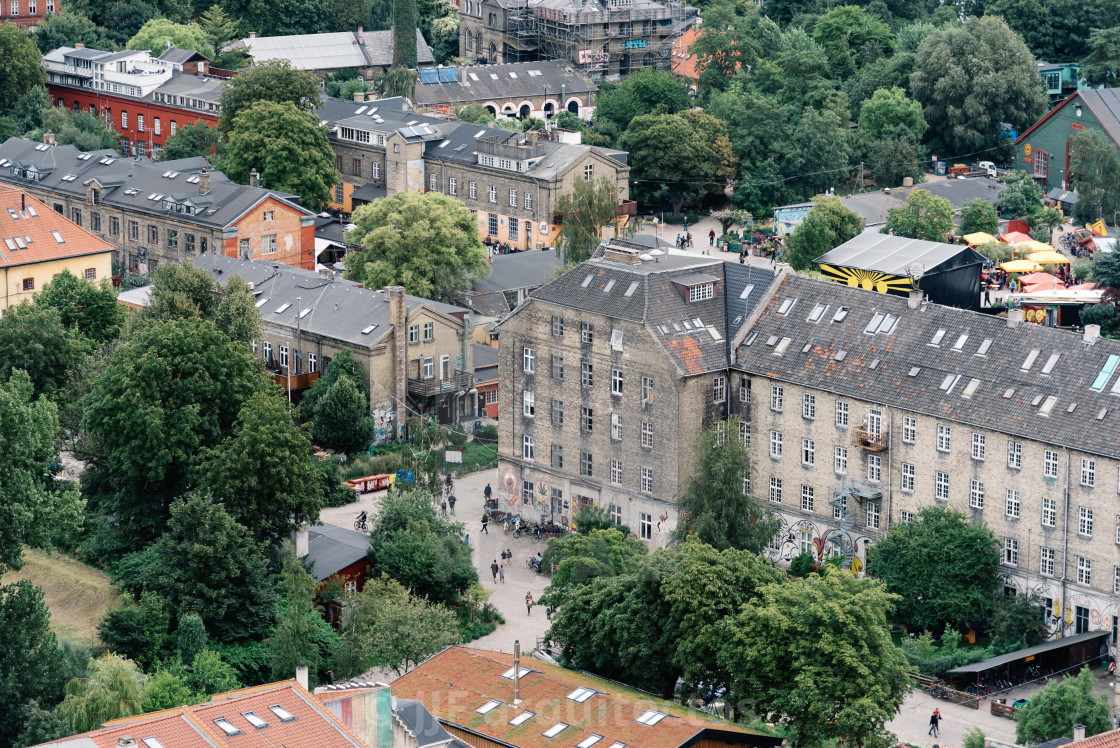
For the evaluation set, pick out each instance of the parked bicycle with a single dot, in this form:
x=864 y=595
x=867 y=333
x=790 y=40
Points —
x=938 y=691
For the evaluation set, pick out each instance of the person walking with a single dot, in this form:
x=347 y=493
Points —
x=502 y=574
x=485 y=523
x=712 y=238
x=494 y=570
x=509 y=555
x=467 y=539
x=451 y=502
x=528 y=603
x=934 y=719
x=487 y=492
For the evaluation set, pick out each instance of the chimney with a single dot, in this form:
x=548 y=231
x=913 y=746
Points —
x=1092 y=332
x=915 y=299
x=203 y=182
x=252 y=34
x=301 y=675
x=531 y=137
x=299 y=540
x=79 y=45
x=359 y=96
x=254 y=178
x=1014 y=317
x=326 y=273
x=360 y=40
x=127 y=741
x=1078 y=730
x=516 y=671
x=491 y=124
x=398 y=315
x=48 y=137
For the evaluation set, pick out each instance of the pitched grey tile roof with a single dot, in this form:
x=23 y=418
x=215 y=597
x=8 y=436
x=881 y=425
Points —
x=1104 y=103
x=332 y=549
x=872 y=207
x=484 y=82
x=179 y=56
x=485 y=357
x=893 y=255
x=521 y=270
x=981 y=373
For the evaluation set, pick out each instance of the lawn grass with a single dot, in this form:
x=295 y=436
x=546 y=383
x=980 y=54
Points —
x=77 y=595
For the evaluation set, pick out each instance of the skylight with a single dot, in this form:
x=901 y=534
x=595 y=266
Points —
x=985 y=345
x=971 y=388
x=1102 y=413
x=521 y=718
x=1050 y=362
x=368 y=330
x=631 y=289
x=586 y=281
x=807 y=347
x=617 y=745
x=959 y=345
x=489 y=706
x=886 y=327
x=787 y=305
x=1036 y=400
x=841 y=313
x=1115 y=387
x=282 y=308
x=1048 y=405
x=839 y=355
x=1105 y=373
x=283 y=714
x=772 y=340
x=254 y=720
x=58 y=237
x=152 y=743
x=746 y=291
x=1029 y=362
x=1009 y=393
x=555 y=730
x=751 y=338
x=914 y=371
x=874 y=364
x=714 y=333
x=227 y=727
x=780 y=348
x=304 y=312
x=1072 y=407
x=589 y=741
x=610 y=284
x=873 y=325
x=31 y=211
x=818 y=312
x=949 y=382
x=508 y=675
x=651 y=717
x=937 y=336
x=582 y=694
x=262 y=302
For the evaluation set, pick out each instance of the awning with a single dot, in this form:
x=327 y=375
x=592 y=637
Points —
x=979 y=238
x=1020 y=266
x=1015 y=237
x=1022 y=654
x=1048 y=257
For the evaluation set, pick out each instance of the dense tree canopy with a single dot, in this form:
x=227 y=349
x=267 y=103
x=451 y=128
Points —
x=33 y=338
x=21 y=68
x=158 y=33
x=925 y=216
x=30 y=658
x=591 y=205
x=273 y=81
x=849 y=34
x=828 y=224
x=194 y=139
x=426 y=242
x=113 y=689
x=342 y=419
x=1095 y=171
x=979 y=215
x=70 y=29
x=88 y=308
x=887 y=110
x=84 y=131
x=647 y=91
x=1053 y=711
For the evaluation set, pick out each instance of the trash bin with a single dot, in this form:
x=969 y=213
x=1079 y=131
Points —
x=1020 y=703
x=735 y=247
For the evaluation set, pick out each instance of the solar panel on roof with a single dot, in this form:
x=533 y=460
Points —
x=448 y=75
x=429 y=76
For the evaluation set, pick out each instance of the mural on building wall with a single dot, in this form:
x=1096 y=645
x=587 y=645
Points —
x=1061 y=619
x=805 y=534
x=414 y=175
x=383 y=418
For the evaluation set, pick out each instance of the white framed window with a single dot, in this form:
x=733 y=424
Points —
x=124 y=120
x=529 y=360
x=1046 y=562
x=284 y=355
x=873 y=515
x=414 y=333
x=616 y=514
x=616 y=472
x=906 y=516
x=775 y=490
x=777 y=397
x=976 y=495
x=586 y=464
x=745 y=393
x=807 y=498
x=557 y=326
x=747 y=484
x=943 y=434
x=529 y=404
x=841 y=414
x=1115 y=579
x=1011 y=508
x=527 y=451
x=586 y=419
x=492 y=194
x=452 y=186
x=776 y=444
x=1011 y=551
x=587 y=373
x=906 y=482
x=529 y=201
x=808 y=452
x=874 y=468
x=616 y=427
x=433 y=182
x=557 y=367
x=909 y=429
x=1050 y=464
x=140 y=123
x=721 y=433
x=616 y=381
x=1014 y=455
x=941 y=488
x=1088 y=472
x=647 y=434
x=808 y=406
x=647 y=480
x=472 y=190
x=647 y=389
x=586 y=333
x=558 y=412
x=745 y=433
x=1085 y=522
x=701 y=292
x=840 y=461
x=719 y=390
x=312 y=362
x=513 y=198
x=645 y=526
x=1084 y=570
x=429 y=331
x=979 y=446
x=1049 y=512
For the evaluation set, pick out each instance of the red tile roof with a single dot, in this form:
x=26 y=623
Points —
x=684 y=63
x=27 y=221
x=1110 y=739
x=195 y=726
x=459 y=680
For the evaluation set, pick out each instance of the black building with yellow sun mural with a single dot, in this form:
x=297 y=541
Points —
x=948 y=274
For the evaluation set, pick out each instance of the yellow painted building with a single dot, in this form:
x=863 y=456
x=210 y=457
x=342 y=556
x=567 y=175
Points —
x=36 y=244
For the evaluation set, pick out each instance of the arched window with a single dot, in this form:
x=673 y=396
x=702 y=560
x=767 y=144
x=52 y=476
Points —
x=493 y=52
x=1041 y=161
x=478 y=42
x=524 y=112
x=573 y=106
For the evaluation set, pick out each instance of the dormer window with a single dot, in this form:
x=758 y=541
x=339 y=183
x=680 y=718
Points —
x=701 y=292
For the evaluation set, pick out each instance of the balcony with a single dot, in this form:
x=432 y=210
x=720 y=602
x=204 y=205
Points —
x=295 y=381
x=872 y=441
x=626 y=208
x=432 y=387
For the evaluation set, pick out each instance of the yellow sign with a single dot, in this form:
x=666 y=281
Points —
x=1026 y=149
x=870 y=280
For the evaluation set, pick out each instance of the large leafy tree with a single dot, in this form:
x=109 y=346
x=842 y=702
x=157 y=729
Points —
x=581 y=557
x=30 y=659
x=1021 y=198
x=342 y=365
x=1030 y=19
x=887 y=110
x=972 y=77
x=70 y=29
x=925 y=216
x=942 y=567
x=291 y=644
x=427 y=243
x=1054 y=710
x=660 y=623
x=848 y=33
x=289 y=149
x=88 y=308
x=819 y=652
x=21 y=66
x=1102 y=66
x=156 y=34
x=978 y=215
x=1095 y=168
x=194 y=139
x=113 y=689
x=583 y=212
x=219 y=29
x=342 y=418
x=273 y=81
x=173 y=389
x=34 y=339
x=724 y=45
x=647 y=91
x=828 y=224
x=237 y=314
x=208 y=563
x=716 y=506
x=85 y=131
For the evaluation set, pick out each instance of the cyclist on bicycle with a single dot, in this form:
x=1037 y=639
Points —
x=360 y=522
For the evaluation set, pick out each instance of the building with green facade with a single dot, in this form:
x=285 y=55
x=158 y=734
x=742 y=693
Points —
x=1043 y=150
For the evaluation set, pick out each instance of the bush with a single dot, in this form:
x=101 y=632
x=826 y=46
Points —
x=487 y=434
x=974 y=738
x=803 y=565
x=485 y=620
x=478 y=456
x=252 y=661
x=922 y=653
x=361 y=465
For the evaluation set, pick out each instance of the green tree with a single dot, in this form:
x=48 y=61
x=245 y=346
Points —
x=27 y=114
x=847 y=32
x=1102 y=66
x=209 y=675
x=444 y=38
x=925 y=216
x=84 y=131
x=219 y=29
x=291 y=644
x=210 y=564
x=138 y=630
x=194 y=139
x=348 y=15
x=979 y=216
x=112 y=690
x=33 y=506
x=1104 y=270
x=1021 y=198
x=166 y=690
x=70 y=29
x=887 y=110
x=158 y=33
x=39 y=726
x=584 y=556
x=395 y=82
x=404 y=33
x=88 y=308
x=647 y=91
x=30 y=659
x=342 y=419
x=342 y=365
x=1095 y=169
x=974 y=738
x=475 y=114
x=1105 y=315
x=191 y=636
x=1030 y=19
x=884 y=73
x=181 y=291
x=173 y=389
x=997 y=252
x=1017 y=622
x=21 y=66
x=828 y=224
x=942 y=567
x=715 y=507
x=427 y=243
x=1060 y=705
x=288 y=148
x=822 y=147
x=34 y=339
x=272 y=80
x=888 y=161
x=584 y=212
x=390 y=628
x=237 y=314
x=724 y=45
x=788 y=654
x=972 y=77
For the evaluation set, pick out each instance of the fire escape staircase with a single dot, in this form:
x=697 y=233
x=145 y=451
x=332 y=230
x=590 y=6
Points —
x=844 y=515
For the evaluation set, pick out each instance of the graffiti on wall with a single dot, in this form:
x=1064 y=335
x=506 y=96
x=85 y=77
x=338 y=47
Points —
x=822 y=542
x=383 y=419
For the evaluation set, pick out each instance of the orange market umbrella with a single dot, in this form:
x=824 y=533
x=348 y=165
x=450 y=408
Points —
x=1048 y=257
x=1015 y=237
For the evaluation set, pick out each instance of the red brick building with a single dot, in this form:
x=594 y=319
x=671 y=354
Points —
x=26 y=13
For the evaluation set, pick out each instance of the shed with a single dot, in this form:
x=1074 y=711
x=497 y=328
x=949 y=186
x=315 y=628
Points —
x=948 y=273
x=1058 y=655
